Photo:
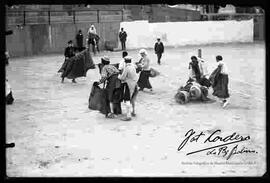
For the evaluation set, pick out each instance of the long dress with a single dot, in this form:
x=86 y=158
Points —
x=78 y=65
x=220 y=82
x=143 y=81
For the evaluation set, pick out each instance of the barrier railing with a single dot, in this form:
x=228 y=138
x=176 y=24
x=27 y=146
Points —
x=54 y=17
x=230 y=16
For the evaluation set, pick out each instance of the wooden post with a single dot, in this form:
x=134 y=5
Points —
x=199 y=53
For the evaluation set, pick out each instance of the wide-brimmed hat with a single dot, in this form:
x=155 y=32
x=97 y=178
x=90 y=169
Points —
x=105 y=60
x=143 y=51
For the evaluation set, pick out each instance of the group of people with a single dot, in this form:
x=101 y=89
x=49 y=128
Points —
x=200 y=81
x=158 y=47
x=91 y=40
x=127 y=78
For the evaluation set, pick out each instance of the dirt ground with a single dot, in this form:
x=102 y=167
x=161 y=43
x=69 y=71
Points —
x=57 y=135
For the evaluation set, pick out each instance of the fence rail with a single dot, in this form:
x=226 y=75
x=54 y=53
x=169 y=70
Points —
x=53 y=16
x=229 y=16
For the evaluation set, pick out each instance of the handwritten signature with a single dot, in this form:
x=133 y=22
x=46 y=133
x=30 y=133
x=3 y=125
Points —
x=221 y=149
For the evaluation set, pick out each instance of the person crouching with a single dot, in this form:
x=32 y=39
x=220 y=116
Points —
x=129 y=86
x=109 y=73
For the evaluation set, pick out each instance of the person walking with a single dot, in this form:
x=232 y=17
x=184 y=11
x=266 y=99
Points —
x=159 y=49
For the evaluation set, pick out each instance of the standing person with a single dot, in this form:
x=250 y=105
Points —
x=122 y=63
x=123 y=38
x=129 y=87
x=220 y=80
x=76 y=65
x=143 y=81
x=194 y=70
x=69 y=52
x=159 y=49
x=109 y=73
x=92 y=38
x=79 y=39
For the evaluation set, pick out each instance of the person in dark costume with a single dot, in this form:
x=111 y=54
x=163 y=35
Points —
x=159 y=49
x=109 y=74
x=123 y=38
x=129 y=87
x=79 y=39
x=76 y=65
x=144 y=64
x=69 y=52
x=220 y=79
x=198 y=72
x=194 y=70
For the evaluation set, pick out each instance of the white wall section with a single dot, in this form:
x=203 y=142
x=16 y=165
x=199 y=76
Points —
x=142 y=34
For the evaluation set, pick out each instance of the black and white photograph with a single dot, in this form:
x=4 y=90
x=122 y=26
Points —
x=121 y=90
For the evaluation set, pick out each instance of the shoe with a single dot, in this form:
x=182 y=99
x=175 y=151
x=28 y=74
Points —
x=141 y=89
x=151 y=89
x=126 y=119
x=73 y=81
x=62 y=80
x=133 y=114
x=226 y=102
x=110 y=115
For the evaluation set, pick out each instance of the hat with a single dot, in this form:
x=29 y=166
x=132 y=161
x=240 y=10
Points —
x=128 y=58
x=142 y=51
x=105 y=60
x=182 y=97
x=70 y=41
x=195 y=92
x=158 y=37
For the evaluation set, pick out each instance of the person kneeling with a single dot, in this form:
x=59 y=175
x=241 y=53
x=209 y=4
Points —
x=129 y=87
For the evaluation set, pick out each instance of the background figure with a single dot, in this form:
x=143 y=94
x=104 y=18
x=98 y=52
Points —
x=79 y=39
x=9 y=96
x=159 y=49
x=143 y=81
x=123 y=38
x=92 y=38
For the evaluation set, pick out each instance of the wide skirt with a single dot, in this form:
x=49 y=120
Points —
x=221 y=87
x=143 y=81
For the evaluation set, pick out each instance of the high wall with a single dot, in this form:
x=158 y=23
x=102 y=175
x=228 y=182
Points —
x=41 y=39
x=188 y=33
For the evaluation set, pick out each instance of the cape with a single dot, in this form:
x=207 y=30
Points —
x=78 y=65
